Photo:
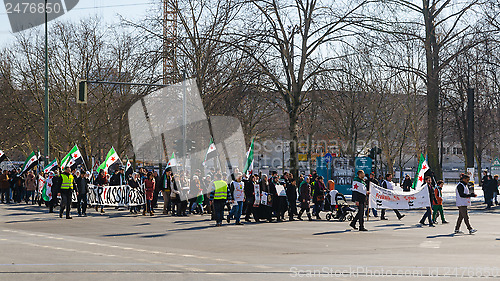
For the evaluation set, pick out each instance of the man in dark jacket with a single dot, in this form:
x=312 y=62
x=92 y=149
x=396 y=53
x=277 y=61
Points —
x=82 y=188
x=305 y=198
x=291 y=196
x=249 y=197
x=407 y=183
x=432 y=199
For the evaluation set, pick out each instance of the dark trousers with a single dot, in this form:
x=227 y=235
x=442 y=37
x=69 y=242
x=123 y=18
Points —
x=65 y=202
x=382 y=214
x=292 y=209
x=5 y=195
x=248 y=209
x=463 y=215
x=360 y=215
x=154 y=203
x=318 y=207
x=219 y=210
x=427 y=215
x=82 y=203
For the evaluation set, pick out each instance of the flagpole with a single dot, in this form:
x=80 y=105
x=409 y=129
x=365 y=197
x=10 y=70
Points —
x=46 y=152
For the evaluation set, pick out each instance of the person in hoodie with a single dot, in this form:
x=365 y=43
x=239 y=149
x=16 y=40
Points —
x=437 y=208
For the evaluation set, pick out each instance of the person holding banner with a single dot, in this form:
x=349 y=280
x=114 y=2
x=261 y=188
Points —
x=387 y=184
x=463 y=201
x=432 y=199
x=82 y=184
x=359 y=194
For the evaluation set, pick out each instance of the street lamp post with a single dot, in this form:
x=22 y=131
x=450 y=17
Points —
x=46 y=132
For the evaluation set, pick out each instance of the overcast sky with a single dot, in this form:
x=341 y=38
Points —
x=108 y=10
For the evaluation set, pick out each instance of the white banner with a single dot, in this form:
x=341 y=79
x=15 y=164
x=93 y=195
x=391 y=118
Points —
x=121 y=195
x=381 y=198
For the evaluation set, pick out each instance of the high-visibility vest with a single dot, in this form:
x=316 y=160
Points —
x=220 y=190
x=67 y=181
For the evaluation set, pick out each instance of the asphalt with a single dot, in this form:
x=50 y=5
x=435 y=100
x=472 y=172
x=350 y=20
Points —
x=36 y=245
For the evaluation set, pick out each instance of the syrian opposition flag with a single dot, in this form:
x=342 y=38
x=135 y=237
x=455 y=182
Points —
x=422 y=168
x=249 y=163
x=359 y=187
x=128 y=168
x=47 y=188
x=111 y=158
x=211 y=151
x=51 y=167
x=31 y=162
x=172 y=162
x=73 y=158
x=2 y=156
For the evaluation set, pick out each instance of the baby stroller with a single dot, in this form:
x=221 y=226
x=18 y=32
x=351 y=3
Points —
x=341 y=210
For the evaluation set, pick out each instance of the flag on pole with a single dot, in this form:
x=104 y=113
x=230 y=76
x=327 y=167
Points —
x=422 y=168
x=111 y=158
x=73 y=158
x=2 y=156
x=47 y=187
x=249 y=163
x=211 y=151
x=128 y=168
x=172 y=162
x=51 y=167
x=31 y=162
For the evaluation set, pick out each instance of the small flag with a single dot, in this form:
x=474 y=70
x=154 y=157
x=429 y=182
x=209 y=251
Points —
x=73 y=158
x=2 y=156
x=249 y=163
x=128 y=168
x=47 y=187
x=422 y=168
x=111 y=158
x=51 y=167
x=31 y=162
x=211 y=151
x=359 y=187
x=172 y=162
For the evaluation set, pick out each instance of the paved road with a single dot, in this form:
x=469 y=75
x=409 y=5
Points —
x=36 y=245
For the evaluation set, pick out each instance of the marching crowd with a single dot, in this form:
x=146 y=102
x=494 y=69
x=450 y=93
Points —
x=256 y=196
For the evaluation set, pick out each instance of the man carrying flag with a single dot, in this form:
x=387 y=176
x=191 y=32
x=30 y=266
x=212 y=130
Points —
x=359 y=194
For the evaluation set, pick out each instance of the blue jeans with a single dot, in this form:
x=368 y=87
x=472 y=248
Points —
x=236 y=211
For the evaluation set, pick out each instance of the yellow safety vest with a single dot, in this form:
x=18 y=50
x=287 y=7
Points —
x=220 y=190
x=67 y=181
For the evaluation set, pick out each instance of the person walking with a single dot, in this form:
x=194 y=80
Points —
x=149 y=184
x=489 y=187
x=67 y=186
x=495 y=190
x=82 y=187
x=101 y=181
x=237 y=191
x=166 y=188
x=305 y=198
x=30 y=184
x=432 y=201
x=319 y=190
x=5 y=187
x=134 y=183
x=220 y=197
x=359 y=194
x=387 y=184
x=437 y=208
x=463 y=201
x=291 y=196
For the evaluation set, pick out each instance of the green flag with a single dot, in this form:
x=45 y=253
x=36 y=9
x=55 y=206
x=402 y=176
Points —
x=249 y=163
x=111 y=158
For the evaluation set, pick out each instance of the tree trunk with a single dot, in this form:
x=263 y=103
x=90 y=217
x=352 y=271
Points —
x=293 y=145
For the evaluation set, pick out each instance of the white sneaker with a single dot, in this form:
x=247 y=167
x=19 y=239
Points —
x=459 y=232
x=472 y=231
